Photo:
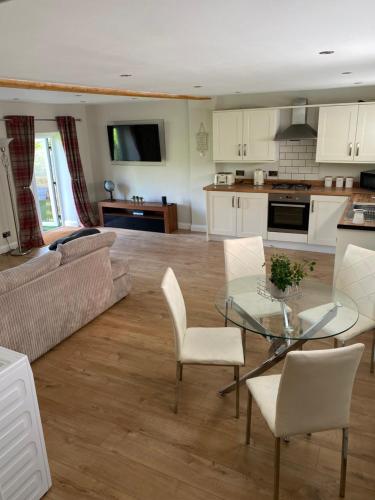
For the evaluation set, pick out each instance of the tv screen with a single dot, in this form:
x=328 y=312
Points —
x=136 y=142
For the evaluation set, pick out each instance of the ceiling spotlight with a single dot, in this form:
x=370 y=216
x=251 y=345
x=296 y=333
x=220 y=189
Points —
x=82 y=102
x=357 y=83
x=126 y=75
x=238 y=92
x=346 y=72
x=78 y=95
x=326 y=52
x=198 y=86
x=16 y=99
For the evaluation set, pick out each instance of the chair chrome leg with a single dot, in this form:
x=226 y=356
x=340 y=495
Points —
x=243 y=334
x=248 y=417
x=178 y=378
x=372 y=353
x=276 y=470
x=344 y=459
x=237 y=376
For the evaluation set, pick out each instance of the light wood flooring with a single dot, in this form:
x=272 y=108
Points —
x=106 y=397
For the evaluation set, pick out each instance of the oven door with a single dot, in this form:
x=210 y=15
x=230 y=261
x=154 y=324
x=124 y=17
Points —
x=288 y=217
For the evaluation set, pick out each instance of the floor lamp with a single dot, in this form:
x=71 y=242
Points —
x=4 y=143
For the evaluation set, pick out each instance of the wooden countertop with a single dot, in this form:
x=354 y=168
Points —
x=317 y=189
x=355 y=194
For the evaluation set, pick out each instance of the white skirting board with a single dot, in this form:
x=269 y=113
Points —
x=6 y=248
x=184 y=225
x=199 y=228
x=24 y=469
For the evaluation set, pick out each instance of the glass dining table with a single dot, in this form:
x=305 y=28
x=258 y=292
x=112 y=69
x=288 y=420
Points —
x=308 y=313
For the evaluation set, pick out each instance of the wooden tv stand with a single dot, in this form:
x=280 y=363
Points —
x=151 y=216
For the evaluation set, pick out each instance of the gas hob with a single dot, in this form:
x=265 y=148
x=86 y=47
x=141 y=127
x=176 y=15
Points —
x=292 y=186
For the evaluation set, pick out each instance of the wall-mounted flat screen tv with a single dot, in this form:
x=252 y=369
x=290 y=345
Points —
x=137 y=142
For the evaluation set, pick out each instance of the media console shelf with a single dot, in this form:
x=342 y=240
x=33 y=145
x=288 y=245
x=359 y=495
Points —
x=147 y=216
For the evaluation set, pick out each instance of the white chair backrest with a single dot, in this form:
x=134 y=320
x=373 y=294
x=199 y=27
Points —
x=176 y=304
x=243 y=257
x=356 y=278
x=315 y=390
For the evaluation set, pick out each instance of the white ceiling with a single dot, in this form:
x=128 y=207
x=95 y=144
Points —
x=170 y=45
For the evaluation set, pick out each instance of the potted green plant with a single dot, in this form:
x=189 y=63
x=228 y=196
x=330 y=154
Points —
x=286 y=274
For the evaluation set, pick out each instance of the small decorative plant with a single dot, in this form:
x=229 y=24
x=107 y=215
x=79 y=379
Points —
x=285 y=273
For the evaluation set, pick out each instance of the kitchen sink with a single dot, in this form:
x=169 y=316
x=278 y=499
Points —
x=368 y=208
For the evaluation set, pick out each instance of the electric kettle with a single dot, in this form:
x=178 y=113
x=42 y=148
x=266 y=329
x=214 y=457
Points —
x=259 y=175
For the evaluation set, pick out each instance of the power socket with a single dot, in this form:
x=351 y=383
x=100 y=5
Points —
x=6 y=234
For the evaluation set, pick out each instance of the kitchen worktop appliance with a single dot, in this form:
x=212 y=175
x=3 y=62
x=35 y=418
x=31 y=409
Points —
x=224 y=179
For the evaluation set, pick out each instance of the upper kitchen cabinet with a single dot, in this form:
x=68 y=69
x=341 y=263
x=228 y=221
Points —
x=365 y=138
x=346 y=134
x=245 y=135
x=227 y=135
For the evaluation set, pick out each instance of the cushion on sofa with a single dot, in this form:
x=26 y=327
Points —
x=119 y=264
x=88 y=231
x=17 y=276
x=83 y=246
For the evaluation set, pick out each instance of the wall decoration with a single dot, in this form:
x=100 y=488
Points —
x=202 y=140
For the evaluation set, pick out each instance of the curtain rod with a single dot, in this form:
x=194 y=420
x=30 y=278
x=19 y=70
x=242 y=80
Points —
x=41 y=119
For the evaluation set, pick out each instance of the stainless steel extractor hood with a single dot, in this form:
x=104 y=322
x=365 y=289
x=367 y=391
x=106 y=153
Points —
x=299 y=129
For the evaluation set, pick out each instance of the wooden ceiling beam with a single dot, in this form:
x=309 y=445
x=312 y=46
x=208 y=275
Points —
x=83 y=89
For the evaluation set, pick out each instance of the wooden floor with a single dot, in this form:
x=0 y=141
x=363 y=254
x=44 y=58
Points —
x=106 y=396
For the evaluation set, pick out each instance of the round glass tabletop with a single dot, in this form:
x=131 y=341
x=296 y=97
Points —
x=313 y=311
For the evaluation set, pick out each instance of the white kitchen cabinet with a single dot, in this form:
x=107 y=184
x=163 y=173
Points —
x=364 y=150
x=237 y=214
x=245 y=136
x=252 y=214
x=259 y=129
x=346 y=134
x=23 y=459
x=221 y=213
x=325 y=213
x=227 y=135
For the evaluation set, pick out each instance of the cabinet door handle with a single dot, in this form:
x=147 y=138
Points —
x=357 y=149
x=238 y=202
x=232 y=201
x=239 y=150
x=312 y=206
x=244 y=150
x=350 y=149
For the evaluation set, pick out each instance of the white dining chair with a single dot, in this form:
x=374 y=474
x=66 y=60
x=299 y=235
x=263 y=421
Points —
x=355 y=278
x=219 y=346
x=245 y=257
x=312 y=394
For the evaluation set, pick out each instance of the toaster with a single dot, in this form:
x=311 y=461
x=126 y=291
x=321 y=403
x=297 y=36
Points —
x=224 y=178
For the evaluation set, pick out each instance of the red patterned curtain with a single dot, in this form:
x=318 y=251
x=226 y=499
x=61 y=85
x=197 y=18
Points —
x=67 y=129
x=21 y=151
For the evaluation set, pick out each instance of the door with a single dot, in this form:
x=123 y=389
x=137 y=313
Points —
x=227 y=135
x=221 y=213
x=325 y=213
x=364 y=149
x=259 y=129
x=336 y=134
x=252 y=211
x=45 y=186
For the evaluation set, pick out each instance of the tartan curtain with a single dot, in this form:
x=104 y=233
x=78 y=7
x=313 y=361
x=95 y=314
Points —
x=21 y=152
x=67 y=129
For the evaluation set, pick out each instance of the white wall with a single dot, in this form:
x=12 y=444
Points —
x=151 y=182
x=42 y=111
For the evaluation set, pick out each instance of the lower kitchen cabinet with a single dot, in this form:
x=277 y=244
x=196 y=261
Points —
x=325 y=213
x=252 y=214
x=237 y=214
x=221 y=213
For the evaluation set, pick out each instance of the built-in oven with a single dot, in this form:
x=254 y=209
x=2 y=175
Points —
x=288 y=213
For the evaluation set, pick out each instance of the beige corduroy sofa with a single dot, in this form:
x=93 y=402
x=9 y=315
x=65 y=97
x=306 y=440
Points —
x=48 y=298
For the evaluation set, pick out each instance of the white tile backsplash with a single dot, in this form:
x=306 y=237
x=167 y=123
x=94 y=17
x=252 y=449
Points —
x=297 y=160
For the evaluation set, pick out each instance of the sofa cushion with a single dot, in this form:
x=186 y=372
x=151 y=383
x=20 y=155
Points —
x=83 y=246
x=119 y=264
x=17 y=276
x=77 y=234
